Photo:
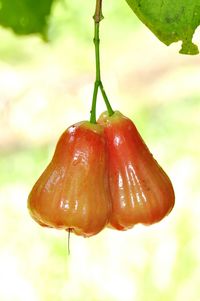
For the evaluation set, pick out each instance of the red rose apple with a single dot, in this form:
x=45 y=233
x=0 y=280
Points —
x=72 y=193
x=141 y=192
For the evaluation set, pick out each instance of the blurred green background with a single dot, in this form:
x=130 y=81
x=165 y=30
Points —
x=44 y=88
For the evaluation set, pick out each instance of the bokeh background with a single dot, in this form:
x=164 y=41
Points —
x=44 y=88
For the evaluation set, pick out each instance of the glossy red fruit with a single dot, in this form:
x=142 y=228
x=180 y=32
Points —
x=141 y=192
x=72 y=193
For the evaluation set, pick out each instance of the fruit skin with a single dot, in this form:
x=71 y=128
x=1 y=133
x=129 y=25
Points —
x=141 y=192
x=72 y=193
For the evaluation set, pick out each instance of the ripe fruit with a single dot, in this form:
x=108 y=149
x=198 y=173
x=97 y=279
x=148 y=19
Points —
x=72 y=193
x=141 y=192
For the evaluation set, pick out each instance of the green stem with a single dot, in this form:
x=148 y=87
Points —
x=98 y=16
x=108 y=105
x=94 y=103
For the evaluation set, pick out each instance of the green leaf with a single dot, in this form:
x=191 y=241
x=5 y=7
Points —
x=25 y=16
x=170 y=20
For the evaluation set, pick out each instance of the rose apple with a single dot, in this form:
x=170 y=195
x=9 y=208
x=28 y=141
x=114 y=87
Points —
x=141 y=192
x=72 y=193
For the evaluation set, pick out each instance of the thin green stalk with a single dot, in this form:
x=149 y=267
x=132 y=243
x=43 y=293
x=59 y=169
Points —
x=94 y=103
x=97 y=51
x=98 y=16
x=108 y=105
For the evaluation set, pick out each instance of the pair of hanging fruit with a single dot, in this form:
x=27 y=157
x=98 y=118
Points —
x=101 y=175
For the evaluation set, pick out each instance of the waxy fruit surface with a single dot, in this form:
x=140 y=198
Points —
x=72 y=193
x=141 y=192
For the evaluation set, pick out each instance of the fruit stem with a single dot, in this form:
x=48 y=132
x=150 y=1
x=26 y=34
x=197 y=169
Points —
x=98 y=16
x=108 y=105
